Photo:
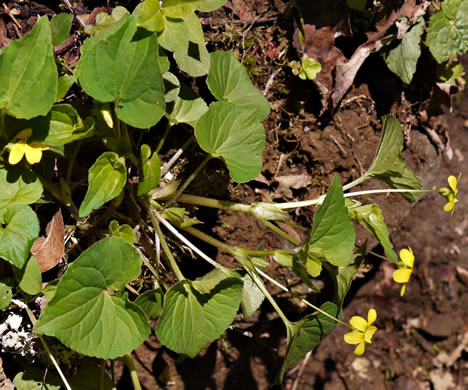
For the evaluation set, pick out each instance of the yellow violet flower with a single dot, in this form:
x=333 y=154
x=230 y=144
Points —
x=450 y=193
x=21 y=148
x=402 y=275
x=363 y=331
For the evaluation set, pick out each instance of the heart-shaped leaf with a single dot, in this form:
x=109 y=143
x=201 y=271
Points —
x=107 y=178
x=19 y=228
x=28 y=75
x=229 y=81
x=235 y=135
x=18 y=185
x=121 y=65
x=190 y=320
x=85 y=316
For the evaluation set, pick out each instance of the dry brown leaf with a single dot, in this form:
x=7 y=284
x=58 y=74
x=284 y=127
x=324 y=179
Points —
x=49 y=250
x=241 y=9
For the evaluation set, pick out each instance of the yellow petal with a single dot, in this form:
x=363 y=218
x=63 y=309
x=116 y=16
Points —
x=407 y=257
x=403 y=289
x=402 y=275
x=452 y=180
x=360 y=349
x=358 y=323
x=449 y=206
x=369 y=334
x=16 y=153
x=354 y=337
x=371 y=316
x=33 y=155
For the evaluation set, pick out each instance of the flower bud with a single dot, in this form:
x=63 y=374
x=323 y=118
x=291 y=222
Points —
x=268 y=211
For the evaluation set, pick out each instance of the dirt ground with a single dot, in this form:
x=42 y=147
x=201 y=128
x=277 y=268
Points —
x=422 y=342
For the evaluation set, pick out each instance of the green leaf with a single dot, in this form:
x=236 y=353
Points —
x=18 y=185
x=125 y=232
x=28 y=75
x=190 y=320
x=149 y=170
x=19 y=228
x=332 y=231
x=121 y=65
x=389 y=165
x=235 y=135
x=303 y=264
x=65 y=82
x=184 y=37
x=229 y=81
x=402 y=59
x=151 y=18
x=252 y=297
x=448 y=30
x=35 y=379
x=310 y=68
x=60 y=26
x=206 y=283
x=343 y=276
x=60 y=126
x=306 y=334
x=30 y=277
x=89 y=378
x=107 y=178
x=187 y=108
x=370 y=216
x=50 y=288
x=210 y=5
x=5 y=294
x=151 y=302
x=179 y=8
x=172 y=87
x=85 y=315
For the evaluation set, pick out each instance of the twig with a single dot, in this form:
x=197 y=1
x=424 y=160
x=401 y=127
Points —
x=270 y=81
x=70 y=8
x=8 y=11
x=301 y=370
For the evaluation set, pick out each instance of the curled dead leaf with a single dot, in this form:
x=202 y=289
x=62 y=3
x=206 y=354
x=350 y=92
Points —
x=49 y=250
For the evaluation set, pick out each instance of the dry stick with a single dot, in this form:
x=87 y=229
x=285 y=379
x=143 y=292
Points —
x=8 y=11
x=301 y=370
x=69 y=6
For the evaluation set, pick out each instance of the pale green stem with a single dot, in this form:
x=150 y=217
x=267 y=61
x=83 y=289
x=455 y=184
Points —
x=175 y=232
x=46 y=347
x=302 y=300
x=128 y=361
x=319 y=200
x=166 y=249
x=229 y=249
x=379 y=256
x=281 y=232
x=214 y=203
x=188 y=181
x=261 y=286
x=355 y=182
